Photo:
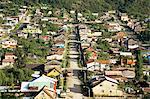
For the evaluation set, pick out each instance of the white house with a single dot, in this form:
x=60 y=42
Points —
x=105 y=86
x=7 y=62
x=124 y=18
x=125 y=53
x=24 y=35
x=9 y=43
x=114 y=27
x=54 y=57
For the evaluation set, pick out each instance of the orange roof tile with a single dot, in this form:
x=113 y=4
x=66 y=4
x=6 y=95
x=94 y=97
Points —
x=103 y=61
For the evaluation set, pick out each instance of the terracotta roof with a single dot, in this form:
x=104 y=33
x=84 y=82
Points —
x=131 y=62
x=147 y=89
x=8 y=60
x=9 y=54
x=90 y=61
x=90 y=49
x=103 y=61
x=120 y=34
x=57 y=49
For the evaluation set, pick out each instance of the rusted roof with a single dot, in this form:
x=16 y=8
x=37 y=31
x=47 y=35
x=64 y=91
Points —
x=8 y=60
x=103 y=61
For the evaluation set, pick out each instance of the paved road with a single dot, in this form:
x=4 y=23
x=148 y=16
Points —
x=73 y=82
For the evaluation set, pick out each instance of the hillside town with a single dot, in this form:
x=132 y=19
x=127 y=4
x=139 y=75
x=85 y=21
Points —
x=58 y=54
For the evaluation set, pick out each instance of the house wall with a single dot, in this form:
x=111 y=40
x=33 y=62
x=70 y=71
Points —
x=107 y=88
x=4 y=64
x=43 y=95
x=10 y=56
x=53 y=73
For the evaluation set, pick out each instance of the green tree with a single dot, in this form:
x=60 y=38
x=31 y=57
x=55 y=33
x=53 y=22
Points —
x=21 y=57
x=2 y=77
x=139 y=66
x=103 y=45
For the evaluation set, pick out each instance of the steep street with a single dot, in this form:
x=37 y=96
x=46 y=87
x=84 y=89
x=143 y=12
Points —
x=73 y=82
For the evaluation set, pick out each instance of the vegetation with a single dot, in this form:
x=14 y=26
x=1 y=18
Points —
x=14 y=76
x=137 y=8
x=139 y=67
x=144 y=36
x=103 y=45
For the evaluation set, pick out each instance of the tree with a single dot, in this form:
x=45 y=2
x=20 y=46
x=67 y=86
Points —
x=139 y=66
x=3 y=77
x=103 y=45
x=21 y=57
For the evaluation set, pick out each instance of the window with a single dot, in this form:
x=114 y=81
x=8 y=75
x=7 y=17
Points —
x=103 y=91
x=100 y=85
x=51 y=85
x=112 y=85
x=110 y=91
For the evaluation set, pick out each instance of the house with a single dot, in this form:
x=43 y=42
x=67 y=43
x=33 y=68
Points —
x=72 y=12
x=113 y=27
x=55 y=57
x=95 y=34
x=128 y=74
x=115 y=75
x=124 y=17
x=104 y=64
x=93 y=66
x=36 y=67
x=45 y=37
x=45 y=93
x=9 y=60
x=95 y=14
x=10 y=56
x=38 y=83
x=24 y=35
x=9 y=43
x=120 y=35
x=59 y=38
x=54 y=72
x=32 y=29
x=132 y=44
x=105 y=86
x=52 y=64
x=93 y=53
x=125 y=53
x=12 y=20
x=2 y=34
x=112 y=11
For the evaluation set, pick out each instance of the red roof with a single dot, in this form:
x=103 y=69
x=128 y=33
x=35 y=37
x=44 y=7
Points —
x=147 y=89
x=8 y=60
x=9 y=54
x=90 y=60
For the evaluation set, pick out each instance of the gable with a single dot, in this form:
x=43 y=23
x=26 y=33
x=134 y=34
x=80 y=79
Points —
x=44 y=95
x=106 y=85
x=53 y=73
x=45 y=79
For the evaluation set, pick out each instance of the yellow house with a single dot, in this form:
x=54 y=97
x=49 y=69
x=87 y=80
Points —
x=45 y=93
x=54 y=72
x=106 y=87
